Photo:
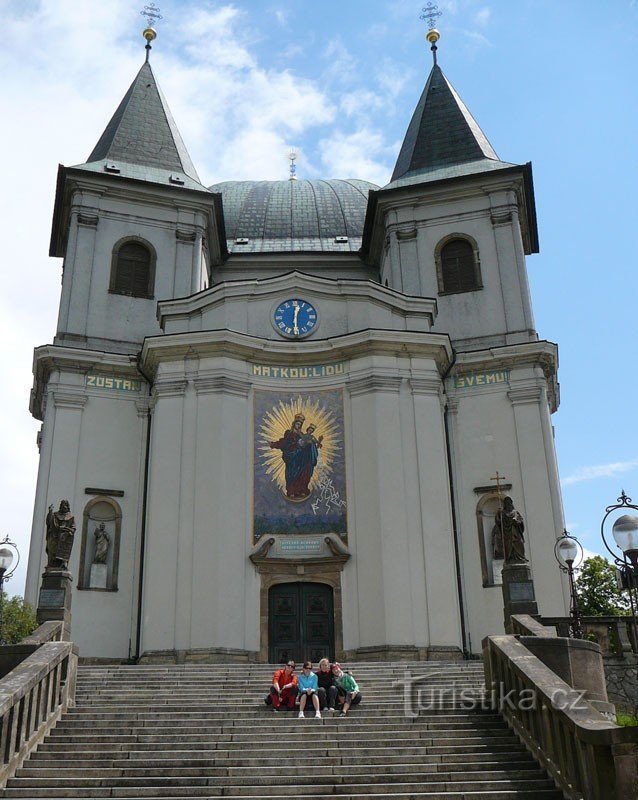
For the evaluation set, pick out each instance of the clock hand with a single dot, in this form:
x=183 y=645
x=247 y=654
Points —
x=294 y=322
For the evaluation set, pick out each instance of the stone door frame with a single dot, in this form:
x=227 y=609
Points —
x=274 y=573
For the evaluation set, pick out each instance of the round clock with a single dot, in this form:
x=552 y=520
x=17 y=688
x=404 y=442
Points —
x=295 y=319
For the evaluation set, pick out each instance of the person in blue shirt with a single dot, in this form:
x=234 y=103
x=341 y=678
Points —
x=308 y=685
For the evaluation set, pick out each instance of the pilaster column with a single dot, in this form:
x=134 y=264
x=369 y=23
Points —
x=163 y=515
x=436 y=511
x=529 y=403
x=383 y=553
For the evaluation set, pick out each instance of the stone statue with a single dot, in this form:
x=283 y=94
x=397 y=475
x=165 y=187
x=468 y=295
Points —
x=507 y=535
x=60 y=534
x=102 y=544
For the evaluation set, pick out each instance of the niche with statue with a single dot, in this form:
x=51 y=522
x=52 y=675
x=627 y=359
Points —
x=99 y=558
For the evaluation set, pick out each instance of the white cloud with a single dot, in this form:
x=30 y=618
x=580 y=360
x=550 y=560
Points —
x=355 y=155
x=600 y=471
x=482 y=17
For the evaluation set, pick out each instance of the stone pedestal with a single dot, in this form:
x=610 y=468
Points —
x=54 y=600
x=98 y=576
x=519 y=596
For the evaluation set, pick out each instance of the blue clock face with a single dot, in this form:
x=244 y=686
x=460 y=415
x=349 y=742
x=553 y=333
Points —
x=295 y=319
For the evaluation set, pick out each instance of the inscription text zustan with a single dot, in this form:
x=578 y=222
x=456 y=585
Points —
x=112 y=384
x=299 y=373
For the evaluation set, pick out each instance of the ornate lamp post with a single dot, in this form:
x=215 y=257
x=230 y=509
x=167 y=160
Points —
x=9 y=560
x=625 y=533
x=569 y=554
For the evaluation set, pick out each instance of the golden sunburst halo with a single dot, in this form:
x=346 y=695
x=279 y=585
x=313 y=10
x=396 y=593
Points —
x=279 y=419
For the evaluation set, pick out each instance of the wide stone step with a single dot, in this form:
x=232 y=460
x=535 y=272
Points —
x=69 y=768
x=320 y=736
x=338 y=786
x=196 y=792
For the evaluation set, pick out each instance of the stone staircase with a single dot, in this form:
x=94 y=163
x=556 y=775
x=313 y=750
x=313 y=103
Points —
x=203 y=731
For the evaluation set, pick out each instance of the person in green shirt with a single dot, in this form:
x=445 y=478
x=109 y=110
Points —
x=347 y=688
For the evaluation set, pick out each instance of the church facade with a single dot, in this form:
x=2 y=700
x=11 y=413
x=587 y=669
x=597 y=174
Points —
x=277 y=409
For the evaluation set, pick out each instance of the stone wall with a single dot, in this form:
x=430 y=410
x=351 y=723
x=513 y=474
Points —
x=622 y=682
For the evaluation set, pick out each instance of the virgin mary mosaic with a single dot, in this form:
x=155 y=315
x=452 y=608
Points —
x=299 y=464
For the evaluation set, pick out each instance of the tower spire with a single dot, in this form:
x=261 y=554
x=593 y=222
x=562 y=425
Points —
x=430 y=14
x=152 y=14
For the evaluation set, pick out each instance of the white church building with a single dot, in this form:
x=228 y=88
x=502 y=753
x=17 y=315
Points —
x=285 y=402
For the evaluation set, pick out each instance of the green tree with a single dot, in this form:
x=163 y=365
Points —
x=18 y=619
x=598 y=592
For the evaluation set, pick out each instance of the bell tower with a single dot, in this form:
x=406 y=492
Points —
x=133 y=223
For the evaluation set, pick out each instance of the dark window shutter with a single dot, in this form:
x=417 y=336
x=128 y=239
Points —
x=458 y=268
x=133 y=270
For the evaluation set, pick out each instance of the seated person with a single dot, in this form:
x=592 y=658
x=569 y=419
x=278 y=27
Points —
x=284 y=688
x=327 y=687
x=308 y=686
x=349 y=694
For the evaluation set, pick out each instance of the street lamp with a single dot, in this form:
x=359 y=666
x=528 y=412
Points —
x=569 y=554
x=625 y=533
x=9 y=560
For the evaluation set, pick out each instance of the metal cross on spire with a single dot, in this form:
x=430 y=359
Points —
x=430 y=14
x=152 y=14
x=292 y=157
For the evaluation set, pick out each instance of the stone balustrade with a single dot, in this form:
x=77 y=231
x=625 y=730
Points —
x=34 y=694
x=587 y=754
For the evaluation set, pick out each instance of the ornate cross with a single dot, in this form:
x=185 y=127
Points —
x=431 y=13
x=152 y=14
x=499 y=479
x=292 y=157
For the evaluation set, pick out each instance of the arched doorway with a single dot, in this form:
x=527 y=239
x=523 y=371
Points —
x=300 y=622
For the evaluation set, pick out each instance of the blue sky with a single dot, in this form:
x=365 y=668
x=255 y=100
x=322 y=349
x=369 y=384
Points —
x=549 y=82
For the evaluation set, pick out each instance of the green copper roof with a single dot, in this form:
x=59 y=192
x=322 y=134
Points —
x=442 y=132
x=143 y=133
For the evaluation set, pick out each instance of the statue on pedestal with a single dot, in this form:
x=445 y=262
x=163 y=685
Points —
x=60 y=534
x=507 y=535
x=102 y=544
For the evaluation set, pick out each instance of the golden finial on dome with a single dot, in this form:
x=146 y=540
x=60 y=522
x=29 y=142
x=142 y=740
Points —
x=152 y=14
x=430 y=14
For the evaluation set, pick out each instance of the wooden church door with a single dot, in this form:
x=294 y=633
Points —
x=300 y=622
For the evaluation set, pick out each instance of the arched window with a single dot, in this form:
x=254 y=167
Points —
x=133 y=269
x=458 y=266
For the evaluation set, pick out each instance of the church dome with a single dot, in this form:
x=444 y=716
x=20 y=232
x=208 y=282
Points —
x=294 y=216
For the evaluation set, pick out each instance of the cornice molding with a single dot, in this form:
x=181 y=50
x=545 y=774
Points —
x=224 y=384
x=321 y=288
x=251 y=349
x=366 y=384
x=68 y=399
x=524 y=395
x=430 y=385
x=170 y=387
x=541 y=354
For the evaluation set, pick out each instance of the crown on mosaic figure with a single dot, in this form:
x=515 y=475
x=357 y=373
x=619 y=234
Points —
x=299 y=418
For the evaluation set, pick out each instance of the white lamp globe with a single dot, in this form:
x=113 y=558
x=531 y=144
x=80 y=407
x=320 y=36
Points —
x=625 y=532
x=6 y=559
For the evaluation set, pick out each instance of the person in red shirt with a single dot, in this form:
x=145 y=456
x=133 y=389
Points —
x=284 y=689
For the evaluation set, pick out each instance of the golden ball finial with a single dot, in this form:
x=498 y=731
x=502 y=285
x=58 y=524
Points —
x=150 y=34
x=433 y=36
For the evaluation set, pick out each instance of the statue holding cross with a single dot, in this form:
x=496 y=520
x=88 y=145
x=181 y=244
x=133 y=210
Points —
x=508 y=543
